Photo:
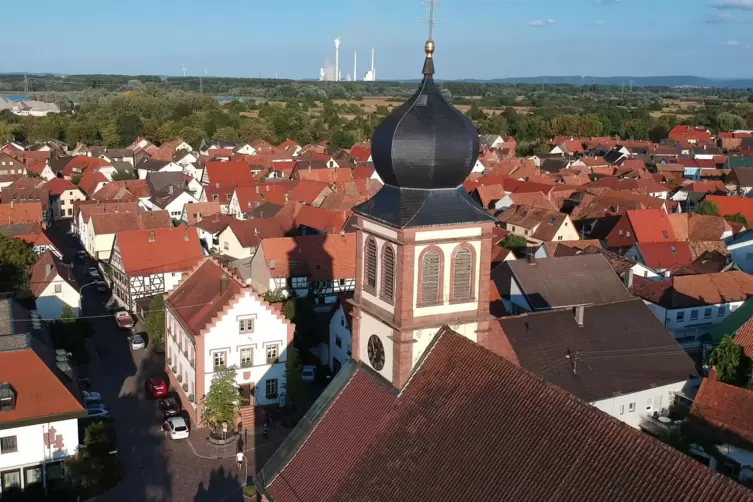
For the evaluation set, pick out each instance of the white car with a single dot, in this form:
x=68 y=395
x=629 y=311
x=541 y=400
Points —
x=137 y=342
x=177 y=427
x=308 y=374
x=91 y=397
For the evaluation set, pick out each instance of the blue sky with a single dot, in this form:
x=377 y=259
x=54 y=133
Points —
x=480 y=39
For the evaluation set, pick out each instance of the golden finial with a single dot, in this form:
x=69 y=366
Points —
x=429 y=48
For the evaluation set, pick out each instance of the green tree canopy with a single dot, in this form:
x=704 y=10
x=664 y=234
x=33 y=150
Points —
x=512 y=241
x=16 y=257
x=155 y=324
x=737 y=218
x=730 y=361
x=220 y=404
x=122 y=174
x=707 y=207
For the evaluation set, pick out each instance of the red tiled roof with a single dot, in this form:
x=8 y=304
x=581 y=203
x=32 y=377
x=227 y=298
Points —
x=57 y=186
x=249 y=195
x=111 y=223
x=320 y=257
x=90 y=180
x=744 y=337
x=663 y=255
x=361 y=152
x=235 y=173
x=307 y=191
x=87 y=208
x=214 y=153
x=38 y=385
x=729 y=206
x=251 y=232
x=158 y=250
x=726 y=407
x=201 y=210
x=39 y=278
x=469 y=412
x=324 y=174
x=20 y=212
x=321 y=219
x=650 y=225
x=83 y=164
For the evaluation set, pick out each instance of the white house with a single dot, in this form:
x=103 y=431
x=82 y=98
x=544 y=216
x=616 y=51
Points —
x=161 y=166
x=690 y=305
x=538 y=224
x=246 y=149
x=40 y=406
x=63 y=194
x=53 y=287
x=103 y=227
x=627 y=388
x=236 y=330
x=340 y=335
x=740 y=248
x=173 y=202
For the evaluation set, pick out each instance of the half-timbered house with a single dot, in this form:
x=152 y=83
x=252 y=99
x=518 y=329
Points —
x=151 y=261
x=320 y=266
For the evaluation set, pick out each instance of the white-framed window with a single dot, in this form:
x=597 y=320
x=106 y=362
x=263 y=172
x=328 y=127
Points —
x=631 y=407
x=58 y=288
x=722 y=311
x=8 y=444
x=680 y=317
x=247 y=357
x=246 y=325
x=622 y=409
x=273 y=353
x=707 y=313
x=694 y=315
x=219 y=360
x=271 y=388
x=226 y=246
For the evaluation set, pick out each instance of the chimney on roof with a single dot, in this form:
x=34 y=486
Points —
x=47 y=269
x=170 y=189
x=12 y=203
x=257 y=188
x=309 y=166
x=286 y=198
x=531 y=257
x=217 y=185
x=267 y=188
x=628 y=278
x=223 y=284
x=578 y=312
x=186 y=237
x=151 y=237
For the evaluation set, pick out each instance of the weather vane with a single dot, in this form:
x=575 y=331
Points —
x=431 y=5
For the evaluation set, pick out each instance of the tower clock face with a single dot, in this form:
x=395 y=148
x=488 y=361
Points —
x=376 y=352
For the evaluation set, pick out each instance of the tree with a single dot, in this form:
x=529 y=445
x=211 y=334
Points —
x=220 y=404
x=122 y=174
x=110 y=136
x=288 y=310
x=76 y=179
x=707 y=207
x=192 y=135
x=155 y=323
x=512 y=241
x=729 y=360
x=16 y=256
x=737 y=218
x=94 y=469
x=295 y=388
x=32 y=174
x=66 y=315
x=226 y=134
x=129 y=127
x=6 y=132
x=658 y=132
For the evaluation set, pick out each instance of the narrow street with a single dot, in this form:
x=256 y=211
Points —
x=156 y=468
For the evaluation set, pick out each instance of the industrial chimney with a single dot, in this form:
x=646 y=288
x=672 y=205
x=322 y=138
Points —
x=355 y=66
x=337 y=59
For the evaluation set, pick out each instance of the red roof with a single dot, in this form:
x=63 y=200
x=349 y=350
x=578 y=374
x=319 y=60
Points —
x=321 y=219
x=726 y=407
x=223 y=192
x=729 y=206
x=663 y=255
x=57 y=186
x=90 y=181
x=319 y=257
x=361 y=152
x=307 y=191
x=650 y=225
x=159 y=250
x=235 y=173
x=20 y=212
x=81 y=164
x=466 y=427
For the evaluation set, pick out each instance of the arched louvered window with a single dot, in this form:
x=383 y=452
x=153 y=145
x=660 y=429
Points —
x=370 y=265
x=387 y=292
x=462 y=274
x=431 y=275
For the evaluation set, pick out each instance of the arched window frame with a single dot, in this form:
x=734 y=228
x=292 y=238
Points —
x=472 y=297
x=370 y=288
x=384 y=294
x=440 y=299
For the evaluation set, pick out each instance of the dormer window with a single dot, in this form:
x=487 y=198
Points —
x=665 y=234
x=7 y=397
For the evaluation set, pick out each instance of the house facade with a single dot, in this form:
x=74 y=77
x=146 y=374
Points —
x=340 y=336
x=63 y=194
x=241 y=332
x=53 y=287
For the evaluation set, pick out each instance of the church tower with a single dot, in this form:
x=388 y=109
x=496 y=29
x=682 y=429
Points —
x=423 y=245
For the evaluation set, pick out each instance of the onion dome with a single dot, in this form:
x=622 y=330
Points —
x=425 y=143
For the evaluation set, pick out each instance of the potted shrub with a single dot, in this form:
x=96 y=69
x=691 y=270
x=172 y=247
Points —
x=190 y=398
x=185 y=387
x=179 y=378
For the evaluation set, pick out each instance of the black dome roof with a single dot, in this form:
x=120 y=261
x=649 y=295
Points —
x=426 y=142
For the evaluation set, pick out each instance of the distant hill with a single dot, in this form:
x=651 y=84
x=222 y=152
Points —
x=667 y=81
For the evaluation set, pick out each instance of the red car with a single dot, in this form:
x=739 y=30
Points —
x=156 y=387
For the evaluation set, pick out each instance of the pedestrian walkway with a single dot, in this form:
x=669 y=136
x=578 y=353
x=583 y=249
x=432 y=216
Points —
x=199 y=441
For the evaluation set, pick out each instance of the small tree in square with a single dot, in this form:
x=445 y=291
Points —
x=220 y=405
x=155 y=324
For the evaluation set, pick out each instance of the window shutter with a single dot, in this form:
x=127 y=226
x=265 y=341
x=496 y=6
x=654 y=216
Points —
x=430 y=278
x=371 y=264
x=461 y=280
x=388 y=273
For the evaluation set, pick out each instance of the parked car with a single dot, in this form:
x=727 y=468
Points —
x=124 y=319
x=156 y=387
x=102 y=287
x=91 y=397
x=177 y=427
x=94 y=273
x=308 y=373
x=137 y=342
x=169 y=407
x=98 y=412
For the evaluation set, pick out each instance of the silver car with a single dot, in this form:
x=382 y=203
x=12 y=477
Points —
x=137 y=342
